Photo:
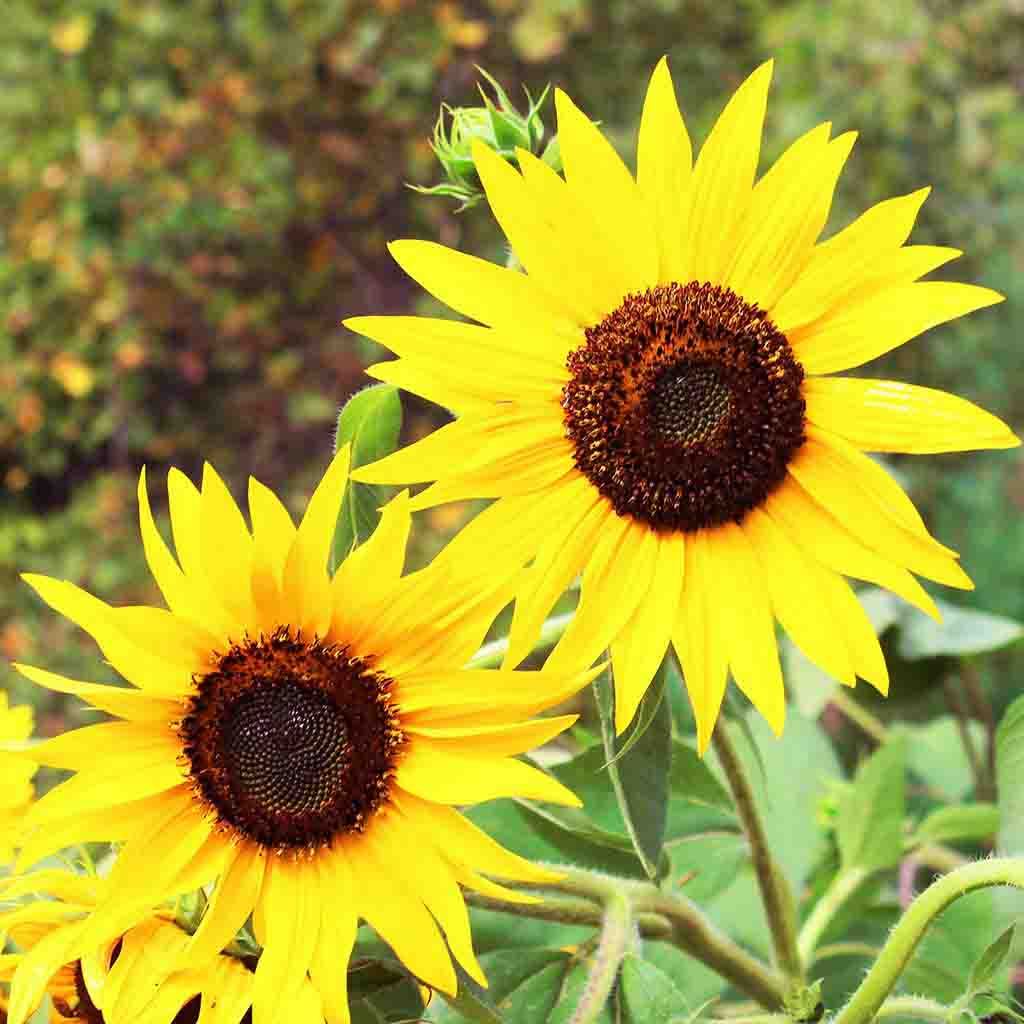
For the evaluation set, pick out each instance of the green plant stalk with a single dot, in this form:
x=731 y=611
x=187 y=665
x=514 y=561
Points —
x=897 y=951
x=491 y=655
x=917 y=1007
x=874 y=727
x=616 y=934
x=832 y=900
x=775 y=894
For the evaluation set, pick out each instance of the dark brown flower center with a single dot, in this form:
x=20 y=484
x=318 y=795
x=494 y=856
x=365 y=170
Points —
x=292 y=743
x=684 y=407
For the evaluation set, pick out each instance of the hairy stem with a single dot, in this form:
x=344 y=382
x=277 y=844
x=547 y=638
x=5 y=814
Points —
x=897 y=951
x=616 y=930
x=917 y=1007
x=832 y=900
x=775 y=894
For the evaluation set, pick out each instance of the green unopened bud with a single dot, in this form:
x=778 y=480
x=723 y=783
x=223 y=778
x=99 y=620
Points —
x=498 y=124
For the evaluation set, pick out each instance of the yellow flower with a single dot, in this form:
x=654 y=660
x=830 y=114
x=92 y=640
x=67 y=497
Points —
x=16 y=791
x=299 y=737
x=652 y=406
x=131 y=977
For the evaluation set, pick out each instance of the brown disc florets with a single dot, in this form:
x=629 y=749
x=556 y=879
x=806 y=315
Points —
x=292 y=742
x=684 y=407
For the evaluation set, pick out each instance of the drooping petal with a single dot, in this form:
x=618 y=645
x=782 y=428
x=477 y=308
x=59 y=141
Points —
x=890 y=416
x=853 y=335
x=698 y=640
x=664 y=163
x=641 y=645
x=723 y=179
x=748 y=629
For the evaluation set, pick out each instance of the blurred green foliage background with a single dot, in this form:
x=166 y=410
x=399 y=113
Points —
x=194 y=193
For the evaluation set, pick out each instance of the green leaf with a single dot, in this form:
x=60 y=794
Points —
x=704 y=866
x=869 y=828
x=691 y=779
x=641 y=776
x=990 y=961
x=649 y=996
x=958 y=824
x=533 y=1000
x=371 y=421
x=645 y=715
x=961 y=632
x=573 y=988
x=471 y=1001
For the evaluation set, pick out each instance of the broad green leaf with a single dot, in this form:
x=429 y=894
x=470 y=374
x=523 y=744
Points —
x=532 y=1001
x=936 y=754
x=961 y=632
x=959 y=824
x=704 y=866
x=699 y=982
x=641 y=776
x=371 y=421
x=648 y=994
x=869 y=828
x=650 y=705
x=471 y=1002
x=990 y=961
x=692 y=779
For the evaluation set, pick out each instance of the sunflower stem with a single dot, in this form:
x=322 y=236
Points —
x=492 y=654
x=842 y=887
x=918 y=1007
x=873 y=991
x=616 y=934
x=775 y=893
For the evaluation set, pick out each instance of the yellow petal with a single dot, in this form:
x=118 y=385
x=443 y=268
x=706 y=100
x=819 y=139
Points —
x=338 y=921
x=290 y=911
x=273 y=534
x=748 y=628
x=827 y=540
x=859 y=634
x=723 y=179
x=492 y=740
x=698 y=640
x=602 y=260
x=480 y=290
x=166 y=572
x=617 y=576
x=306 y=586
x=887 y=319
x=889 y=416
x=827 y=478
x=664 y=160
x=640 y=647
x=145 y=959
x=596 y=173
x=230 y=905
x=463 y=841
x=537 y=247
x=121 y=701
x=78 y=748
x=431 y=772
x=181 y=642
x=389 y=841
x=788 y=209
x=488 y=350
x=150 y=672
x=228 y=993
x=434 y=383
x=36 y=968
x=400 y=918
x=840 y=264
x=560 y=557
x=225 y=547
x=793 y=583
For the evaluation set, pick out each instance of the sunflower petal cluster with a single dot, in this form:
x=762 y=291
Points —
x=296 y=741
x=657 y=405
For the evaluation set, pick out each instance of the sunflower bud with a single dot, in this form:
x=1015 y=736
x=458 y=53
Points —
x=500 y=125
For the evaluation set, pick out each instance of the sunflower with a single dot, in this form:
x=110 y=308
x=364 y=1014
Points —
x=131 y=978
x=16 y=790
x=297 y=737
x=652 y=404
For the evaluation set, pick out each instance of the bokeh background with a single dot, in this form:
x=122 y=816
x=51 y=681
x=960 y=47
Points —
x=194 y=193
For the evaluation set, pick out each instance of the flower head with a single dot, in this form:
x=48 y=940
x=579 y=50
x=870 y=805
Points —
x=299 y=738
x=652 y=402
